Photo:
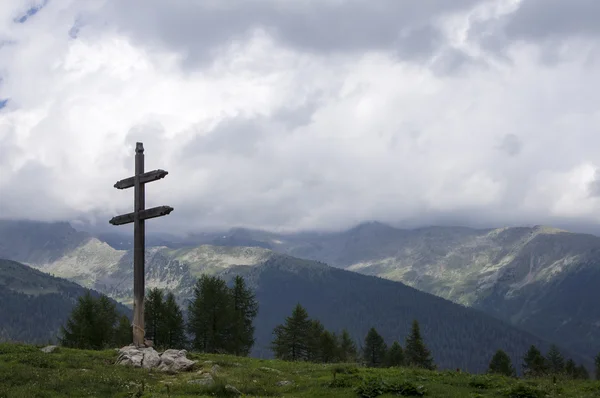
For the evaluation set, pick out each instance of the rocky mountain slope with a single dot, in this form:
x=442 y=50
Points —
x=33 y=304
x=542 y=279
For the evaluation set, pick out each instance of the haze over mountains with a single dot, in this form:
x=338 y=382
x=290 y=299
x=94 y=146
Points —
x=540 y=279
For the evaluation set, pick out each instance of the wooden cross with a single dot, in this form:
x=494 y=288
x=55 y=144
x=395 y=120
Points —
x=139 y=215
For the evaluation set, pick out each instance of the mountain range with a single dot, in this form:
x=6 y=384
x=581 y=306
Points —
x=539 y=279
x=34 y=304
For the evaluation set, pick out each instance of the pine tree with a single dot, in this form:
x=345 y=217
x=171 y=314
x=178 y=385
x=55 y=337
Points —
x=123 y=332
x=154 y=314
x=91 y=324
x=106 y=319
x=597 y=363
x=348 y=352
x=581 y=373
x=501 y=364
x=555 y=361
x=395 y=355
x=416 y=353
x=210 y=315
x=174 y=325
x=329 y=347
x=293 y=338
x=571 y=369
x=314 y=350
x=78 y=331
x=245 y=309
x=534 y=363
x=375 y=349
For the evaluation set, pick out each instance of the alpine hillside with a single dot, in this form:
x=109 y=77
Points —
x=458 y=336
x=542 y=279
x=34 y=304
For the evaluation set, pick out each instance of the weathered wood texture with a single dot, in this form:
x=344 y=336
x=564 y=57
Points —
x=144 y=178
x=139 y=249
x=144 y=215
x=138 y=217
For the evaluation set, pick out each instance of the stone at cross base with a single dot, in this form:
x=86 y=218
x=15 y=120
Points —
x=149 y=358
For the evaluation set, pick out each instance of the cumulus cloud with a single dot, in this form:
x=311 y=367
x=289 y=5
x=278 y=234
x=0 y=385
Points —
x=303 y=115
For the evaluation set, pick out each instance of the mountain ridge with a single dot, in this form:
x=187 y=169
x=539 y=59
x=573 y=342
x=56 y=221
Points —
x=34 y=304
x=521 y=275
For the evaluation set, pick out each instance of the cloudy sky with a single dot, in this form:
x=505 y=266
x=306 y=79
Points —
x=303 y=114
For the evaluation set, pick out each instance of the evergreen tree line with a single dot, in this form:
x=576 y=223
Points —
x=221 y=317
x=95 y=324
x=301 y=338
x=415 y=353
x=163 y=320
x=535 y=364
x=220 y=320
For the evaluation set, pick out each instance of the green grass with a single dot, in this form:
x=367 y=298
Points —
x=25 y=371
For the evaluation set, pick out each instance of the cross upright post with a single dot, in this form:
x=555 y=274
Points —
x=138 y=217
x=139 y=248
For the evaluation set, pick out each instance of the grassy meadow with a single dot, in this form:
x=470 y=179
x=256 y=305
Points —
x=27 y=372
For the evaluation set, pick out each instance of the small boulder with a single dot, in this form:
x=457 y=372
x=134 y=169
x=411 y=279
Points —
x=49 y=349
x=215 y=369
x=175 y=361
x=130 y=356
x=151 y=358
x=284 y=383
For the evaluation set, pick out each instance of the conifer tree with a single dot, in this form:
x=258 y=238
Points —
x=105 y=320
x=314 y=350
x=329 y=347
x=555 y=361
x=174 y=325
x=395 y=355
x=348 y=352
x=597 y=363
x=293 y=339
x=210 y=315
x=581 y=373
x=154 y=317
x=123 y=332
x=534 y=363
x=375 y=349
x=245 y=308
x=571 y=369
x=79 y=329
x=501 y=364
x=415 y=352
x=91 y=324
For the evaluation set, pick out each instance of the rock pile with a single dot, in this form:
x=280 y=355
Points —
x=148 y=358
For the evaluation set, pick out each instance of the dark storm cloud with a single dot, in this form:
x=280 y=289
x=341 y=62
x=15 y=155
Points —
x=286 y=133
x=325 y=27
x=554 y=19
x=510 y=144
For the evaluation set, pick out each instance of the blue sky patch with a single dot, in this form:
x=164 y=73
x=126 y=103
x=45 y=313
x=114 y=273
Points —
x=3 y=102
x=31 y=12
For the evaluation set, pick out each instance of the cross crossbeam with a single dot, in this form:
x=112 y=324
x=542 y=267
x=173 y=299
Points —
x=138 y=217
x=144 y=178
x=143 y=214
